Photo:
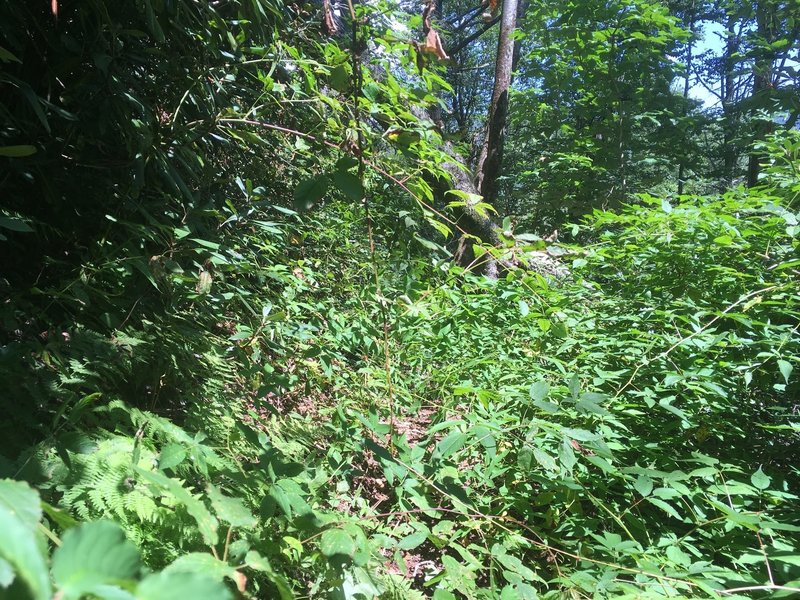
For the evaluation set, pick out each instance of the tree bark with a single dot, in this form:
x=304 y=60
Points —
x=491 y=157
x=476 y=226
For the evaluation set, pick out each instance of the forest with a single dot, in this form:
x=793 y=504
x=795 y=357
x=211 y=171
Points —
x=381 y=299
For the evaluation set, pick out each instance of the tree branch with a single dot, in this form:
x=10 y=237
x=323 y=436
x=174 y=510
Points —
x=471 y=38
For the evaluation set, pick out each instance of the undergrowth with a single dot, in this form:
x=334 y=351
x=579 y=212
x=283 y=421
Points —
x=209 y=394
x=628 y=432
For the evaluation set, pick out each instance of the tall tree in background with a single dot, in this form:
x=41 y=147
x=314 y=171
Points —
x=596 y=119
x=774 y=47
x=754 y=78
x=491 y=156
x=692 y=14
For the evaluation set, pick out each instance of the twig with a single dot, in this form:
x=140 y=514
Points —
x=716 y=318
x=755 y=588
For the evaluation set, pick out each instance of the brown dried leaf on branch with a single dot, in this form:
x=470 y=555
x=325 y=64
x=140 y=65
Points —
x=433 y=43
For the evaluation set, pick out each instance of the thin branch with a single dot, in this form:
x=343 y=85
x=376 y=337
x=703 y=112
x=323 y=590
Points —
x=373 y=166
x=467 y=18
x=471 y=38
x=756 y=588
x=669 y=350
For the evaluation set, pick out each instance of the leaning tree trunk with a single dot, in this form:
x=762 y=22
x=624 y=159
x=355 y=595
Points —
x=477 y=227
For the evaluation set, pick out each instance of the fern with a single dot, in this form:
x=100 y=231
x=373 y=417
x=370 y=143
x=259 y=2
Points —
x=103 y=484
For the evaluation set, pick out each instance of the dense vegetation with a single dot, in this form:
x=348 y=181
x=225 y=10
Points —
x=261 y=336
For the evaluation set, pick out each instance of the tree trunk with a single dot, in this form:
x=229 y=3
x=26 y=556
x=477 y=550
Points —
x=476 y=226
x=762 y=83
x=728 y=125
x=686 y=87
x=491 y=157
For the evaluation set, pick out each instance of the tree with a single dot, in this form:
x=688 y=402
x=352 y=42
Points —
x=753 y=78
x=491 y=157
x=595 y=119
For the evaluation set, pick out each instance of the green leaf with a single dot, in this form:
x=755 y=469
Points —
x=204 y=564
x=539 y=390
x=206 y=522
x=454 y=441
x=340 y=79
x=665 y=507
x=17 y=151
x=760 y=480
x=7 y=56
x=412 y=541
x=678 y=556
x=309 y=192
x=93 y=555
x=723 y=240
x=567 y=455
x=231 y=510
x=60 y=517
x=20 y=499
x=544 y=459
x=588 y=404
x=337 y=543
x=643 y=485
x=14 y=224
x=255 y=561
x=786 y=369
x=171 y=456
x=6 y=573
x=349 y=185
x=514 y=564
x=19 y=547
x=346 y=163
x=169 y=586
x=206 y=243
x=548 y=407
x=524 y=309
x=791 y=559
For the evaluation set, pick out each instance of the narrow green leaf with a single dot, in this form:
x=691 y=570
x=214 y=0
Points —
x=17 y=151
